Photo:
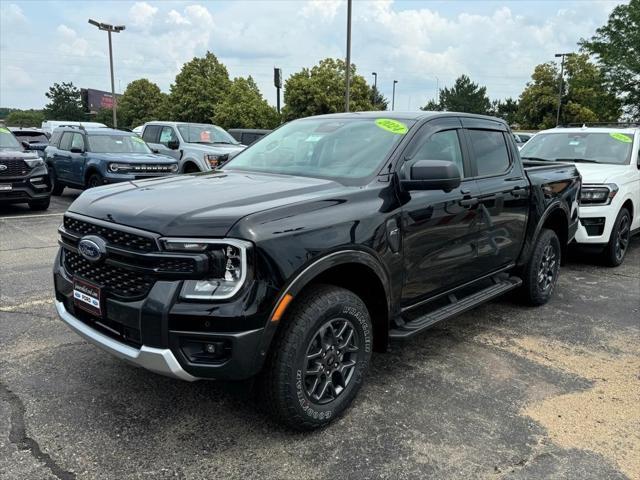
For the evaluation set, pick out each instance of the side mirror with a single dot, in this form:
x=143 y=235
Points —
x=76 y=150
x=433 y=175
x=173 y=144
x=25 y=145
x=155 y=150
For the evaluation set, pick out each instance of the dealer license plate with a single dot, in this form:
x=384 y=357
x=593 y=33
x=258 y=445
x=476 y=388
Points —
x=87 y=296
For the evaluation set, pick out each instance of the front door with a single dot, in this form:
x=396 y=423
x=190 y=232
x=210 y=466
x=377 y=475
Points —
x=62 y=157
x=78 y=159
x=439 y=228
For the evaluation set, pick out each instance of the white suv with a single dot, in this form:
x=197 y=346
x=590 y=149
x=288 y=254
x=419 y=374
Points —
x=609 y=161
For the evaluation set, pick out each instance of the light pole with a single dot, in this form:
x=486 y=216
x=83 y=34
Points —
x=393 y=96
x=561 y=55
x=375 y=87
x=109 y=29
x=346 y=96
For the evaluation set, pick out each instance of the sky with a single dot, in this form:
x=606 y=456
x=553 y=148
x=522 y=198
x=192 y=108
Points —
x=421 y=44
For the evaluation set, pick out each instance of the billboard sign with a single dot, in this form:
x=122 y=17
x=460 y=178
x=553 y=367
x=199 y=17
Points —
x=95 y=100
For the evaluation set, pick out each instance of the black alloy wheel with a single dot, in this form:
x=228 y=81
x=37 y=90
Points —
x=616 y=249
x=540 y=275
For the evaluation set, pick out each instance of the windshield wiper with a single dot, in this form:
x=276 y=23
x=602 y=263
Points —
x=226 y=143
x=538 y=159
x=578 y=160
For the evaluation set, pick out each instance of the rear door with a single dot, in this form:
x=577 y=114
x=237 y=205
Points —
x=439 y=228
x=150 y=135
x=504 y=192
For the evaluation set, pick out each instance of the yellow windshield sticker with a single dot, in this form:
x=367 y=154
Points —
x=621 y=137
x=4 y=130
x=392 y=126
x=137 y=139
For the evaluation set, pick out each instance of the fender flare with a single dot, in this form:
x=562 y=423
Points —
x=551 y=209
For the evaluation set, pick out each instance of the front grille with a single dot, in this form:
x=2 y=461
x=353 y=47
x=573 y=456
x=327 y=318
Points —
x=117 y=281
x=153 y=169
x=14 y=168
x=114 y=237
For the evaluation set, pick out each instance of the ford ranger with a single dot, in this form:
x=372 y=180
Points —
x=311 y=249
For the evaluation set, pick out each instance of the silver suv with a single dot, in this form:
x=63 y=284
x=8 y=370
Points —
x=198 y=147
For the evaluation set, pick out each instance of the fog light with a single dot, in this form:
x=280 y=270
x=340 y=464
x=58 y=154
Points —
x=210 y=348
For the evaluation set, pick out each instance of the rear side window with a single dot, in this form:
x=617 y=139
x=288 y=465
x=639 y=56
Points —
x=491 y=153
x=150 y=134
x=65 y=142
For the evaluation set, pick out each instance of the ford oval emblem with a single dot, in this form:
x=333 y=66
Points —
x=3 y=167
x=92 y=248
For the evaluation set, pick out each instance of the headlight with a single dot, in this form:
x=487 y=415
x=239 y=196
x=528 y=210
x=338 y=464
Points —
x=598 y=194
x=33 y=162
x=215 y=161
x=228 y=272
x=119 y=167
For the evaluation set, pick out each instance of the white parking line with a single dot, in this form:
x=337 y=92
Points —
x=21 y=306
x=18 y=217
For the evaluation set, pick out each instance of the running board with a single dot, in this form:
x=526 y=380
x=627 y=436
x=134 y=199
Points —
x=456 y=307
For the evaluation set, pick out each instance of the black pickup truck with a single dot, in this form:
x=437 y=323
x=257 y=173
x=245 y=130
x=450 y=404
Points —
x=311 y=249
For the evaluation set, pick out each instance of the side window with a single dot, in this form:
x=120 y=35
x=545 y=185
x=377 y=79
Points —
x=77 y=141
x=441 y=146
x=150 y=134
x=167 y=135
x=65 y=142
x=55 y=139
x=491 y=154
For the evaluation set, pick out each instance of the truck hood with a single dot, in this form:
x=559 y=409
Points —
x=205 y=205
x=133 y=157
x=601 y=173
x=8 y=154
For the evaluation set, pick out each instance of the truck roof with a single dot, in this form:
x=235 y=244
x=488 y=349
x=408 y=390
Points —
x=413 y=115
x=622 y=129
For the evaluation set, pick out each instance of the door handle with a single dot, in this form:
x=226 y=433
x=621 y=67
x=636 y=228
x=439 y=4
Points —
x=518 y=192
x=468 y=202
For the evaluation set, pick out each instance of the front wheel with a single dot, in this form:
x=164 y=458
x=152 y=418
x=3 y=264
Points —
x=616 y=249
x=39 y=205
x=541 y=273
x=94 y=180
x=56 y=187
x=319 y=358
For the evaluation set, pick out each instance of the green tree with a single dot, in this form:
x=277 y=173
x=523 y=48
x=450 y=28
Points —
x=464 y=96
x=198 y=89
x=244 y=107
x=432 y=106
x=141 y=102
x=616 y=47
x=25 y=118
x=65 y=103
x=379 y=101
x=539 y=100
x=506 y=109
x=105 y=115
x=321 y=89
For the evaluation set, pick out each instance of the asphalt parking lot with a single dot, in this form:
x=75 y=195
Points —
x=503 y=392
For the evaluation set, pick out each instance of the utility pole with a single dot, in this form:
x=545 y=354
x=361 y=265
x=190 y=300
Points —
x=393 y=97
x=375 y=87
x=561 y=55
x=346 y=96
x=109 y=29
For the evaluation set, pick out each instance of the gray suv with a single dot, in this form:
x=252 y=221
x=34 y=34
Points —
x=198 y=147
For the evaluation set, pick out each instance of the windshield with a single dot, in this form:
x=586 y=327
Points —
x=593 y=147
x=8 y=141
x=338 y=149
x=117 y=144
x=205 y=134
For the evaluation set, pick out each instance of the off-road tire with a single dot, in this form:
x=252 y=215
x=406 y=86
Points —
x=539 y=281
x=282 y=385
x=615 y=251
x=56 y=187
x=39 y=205
x=94 y=180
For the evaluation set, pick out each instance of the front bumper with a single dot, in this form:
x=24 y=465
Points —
x=159 y=332
x=24 y=190
x=113 y=177
x=596 y=223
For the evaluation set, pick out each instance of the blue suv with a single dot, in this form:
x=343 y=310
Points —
x=85 y=158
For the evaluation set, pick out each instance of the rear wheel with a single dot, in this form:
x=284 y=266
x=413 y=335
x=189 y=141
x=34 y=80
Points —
x=38 y=205
x=616 y=249
x=94 y=180
x=541 y=273
x=318 y=361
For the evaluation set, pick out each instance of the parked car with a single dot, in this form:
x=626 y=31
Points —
x=23 y=174
x=313 y=248
x=83 y=158
x=34 y=139
x=608 y=160
x=197 y=147
x=49 y=126
x=247 y=136
x=522 y=137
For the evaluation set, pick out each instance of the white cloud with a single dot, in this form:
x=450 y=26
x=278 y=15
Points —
x=17 y=78
x=142 y=15
x=70 y=42
x=12 y=14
